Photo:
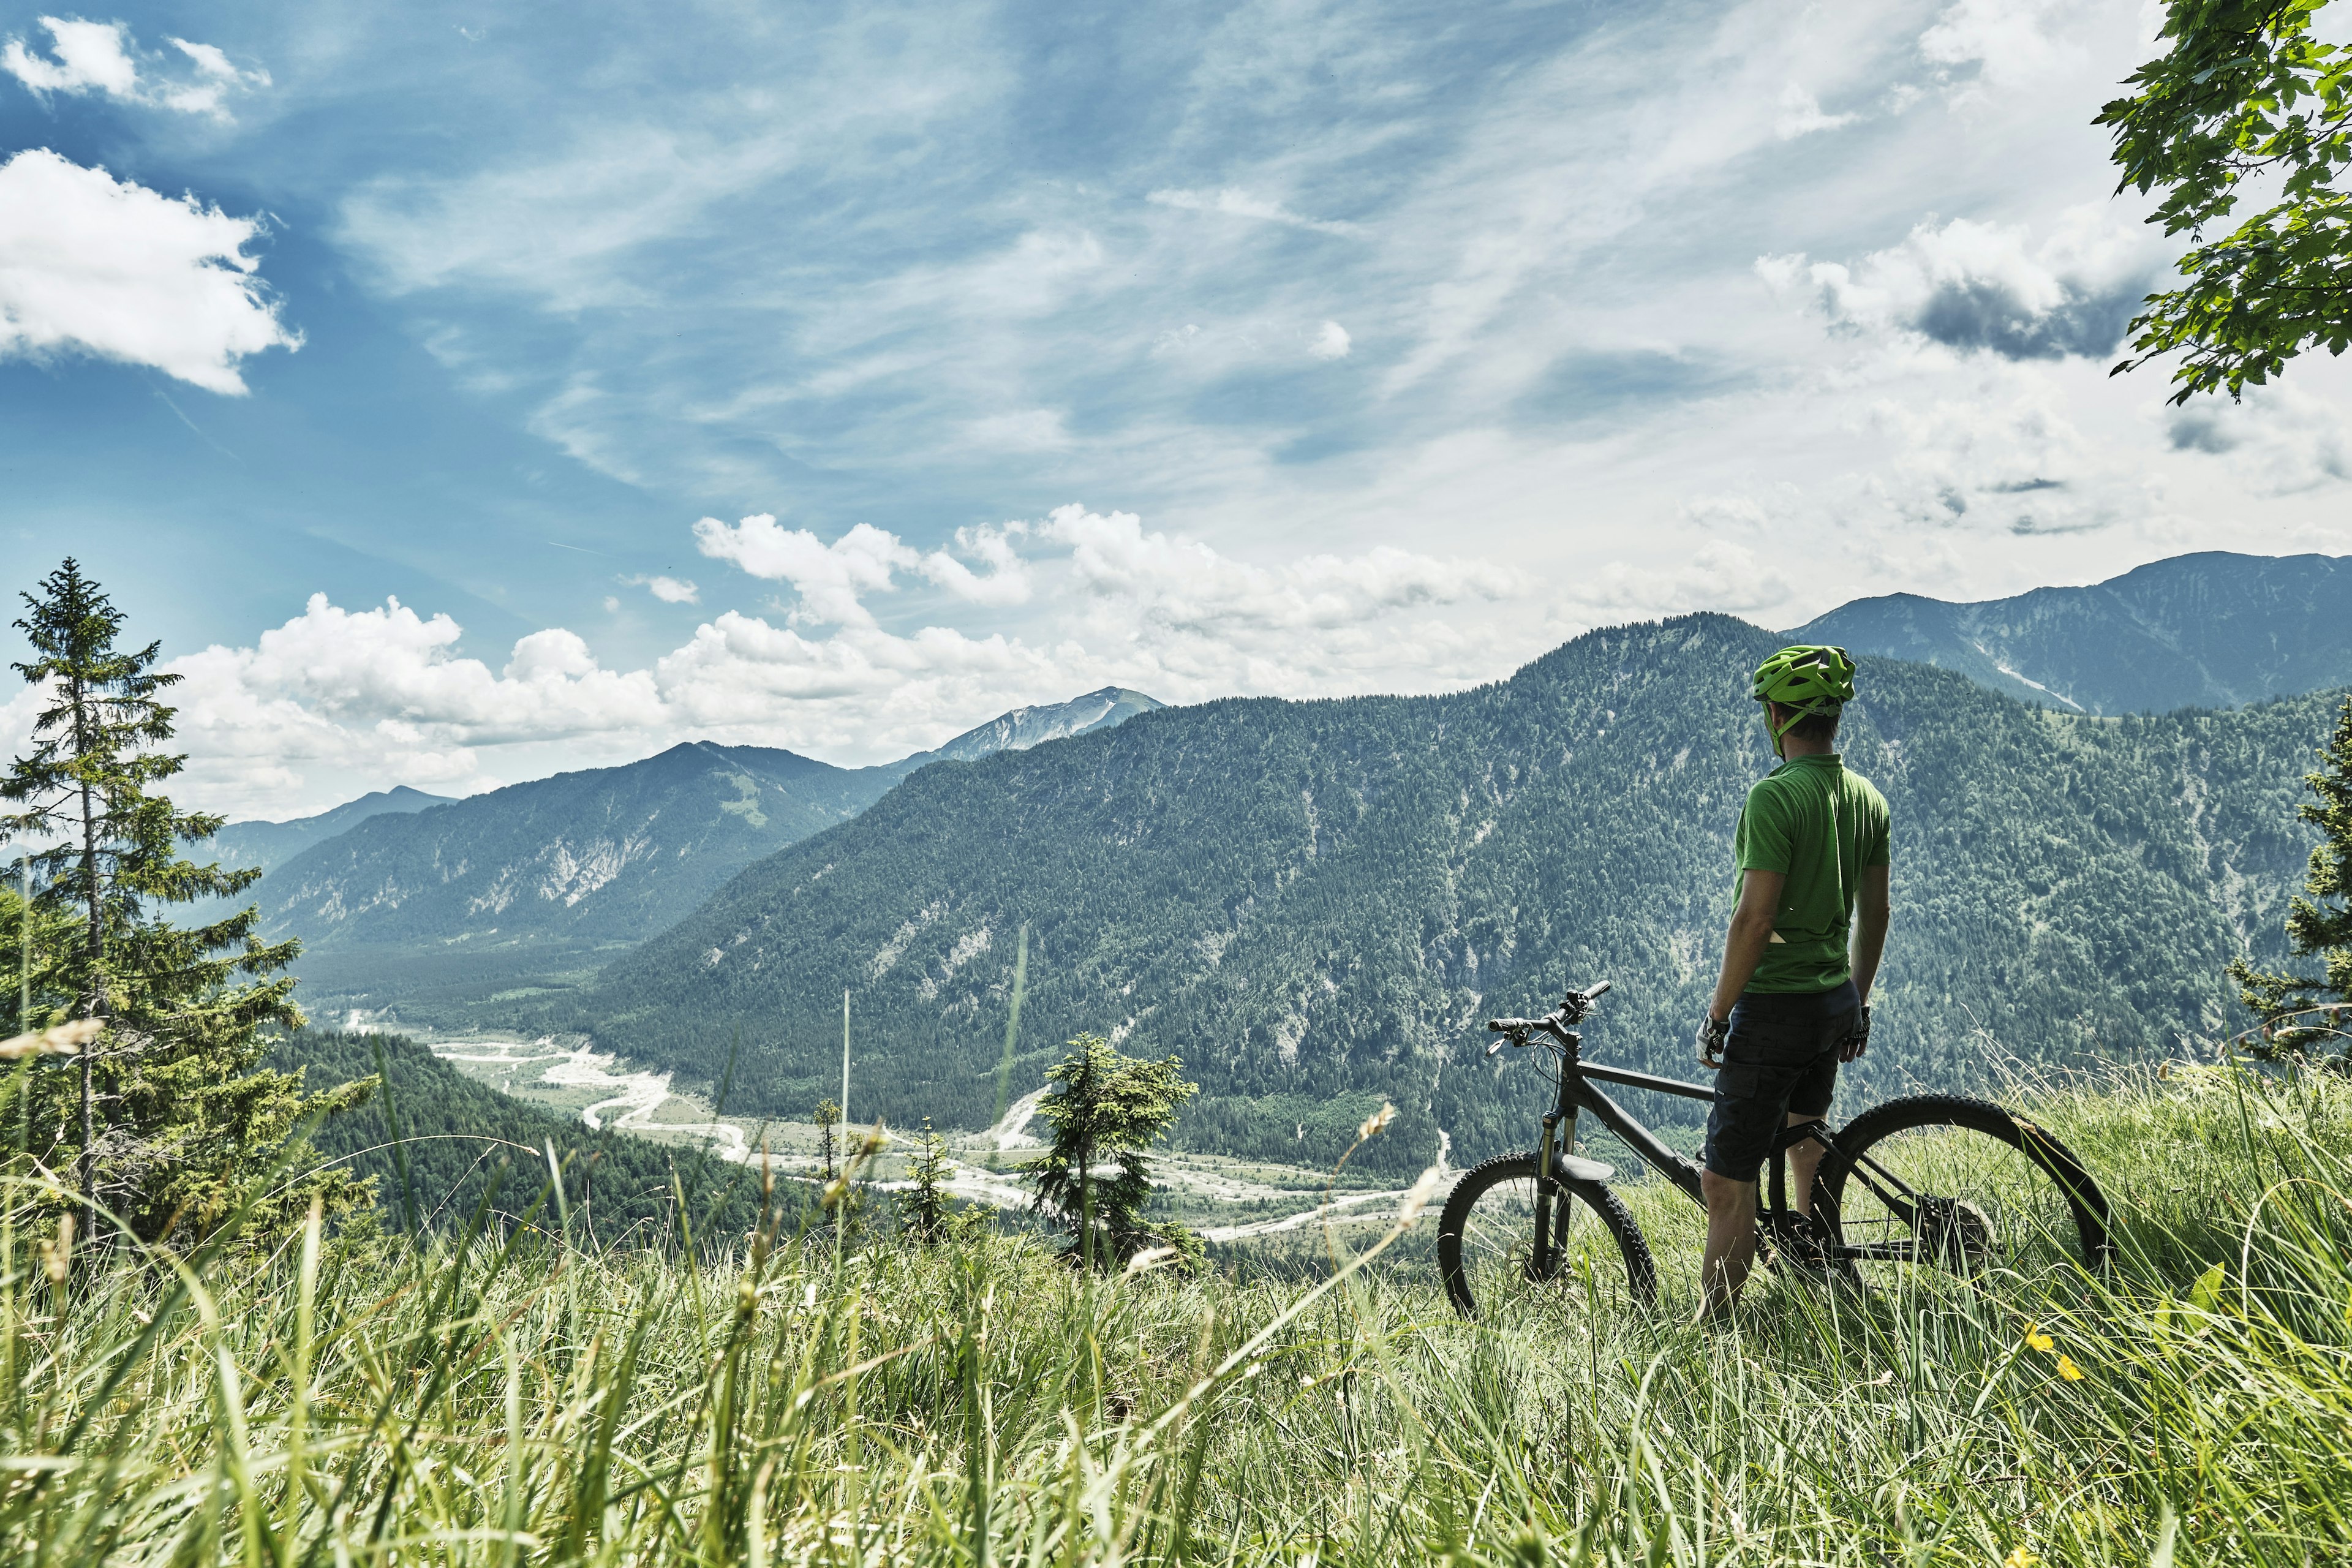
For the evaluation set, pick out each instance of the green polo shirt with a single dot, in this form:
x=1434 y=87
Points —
x=1820 y=825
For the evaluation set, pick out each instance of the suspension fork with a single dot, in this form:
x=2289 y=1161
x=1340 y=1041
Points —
x=1549 y=1195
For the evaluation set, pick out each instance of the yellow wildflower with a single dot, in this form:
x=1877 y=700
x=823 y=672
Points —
x=2019 y=1557
x=2036 y=1339
x=2068 y=1370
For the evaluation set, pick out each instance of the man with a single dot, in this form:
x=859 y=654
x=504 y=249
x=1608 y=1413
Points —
x=1793 y=1000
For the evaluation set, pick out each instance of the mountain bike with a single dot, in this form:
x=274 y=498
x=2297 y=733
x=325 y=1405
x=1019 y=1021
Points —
x=1936 y=1182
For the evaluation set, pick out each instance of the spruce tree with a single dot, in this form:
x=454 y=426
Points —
x=927 y=1204
x=1106 y=1110
x=170 y=1125
x=2318 y=925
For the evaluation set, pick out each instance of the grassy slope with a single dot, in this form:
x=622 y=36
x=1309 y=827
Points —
x=894 y=1405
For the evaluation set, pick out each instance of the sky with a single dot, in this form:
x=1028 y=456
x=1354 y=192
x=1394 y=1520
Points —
x=464 y=392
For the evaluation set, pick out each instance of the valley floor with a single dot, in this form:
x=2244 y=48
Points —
x=1226 y=1200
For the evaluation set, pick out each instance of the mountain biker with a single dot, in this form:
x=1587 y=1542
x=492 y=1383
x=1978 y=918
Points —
x=1792 y=1000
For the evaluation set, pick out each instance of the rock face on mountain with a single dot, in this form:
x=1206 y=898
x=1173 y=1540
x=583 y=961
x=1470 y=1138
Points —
x=2209 y=630
x=262 y=845
x=1315 y=903
x=1025 y=727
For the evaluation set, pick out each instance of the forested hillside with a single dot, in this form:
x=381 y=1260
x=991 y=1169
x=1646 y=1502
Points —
x=453 y=1131
x=262 y=845
x=2209 y=630
x=1316 y=904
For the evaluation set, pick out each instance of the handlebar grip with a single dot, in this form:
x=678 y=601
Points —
x=1596 y=991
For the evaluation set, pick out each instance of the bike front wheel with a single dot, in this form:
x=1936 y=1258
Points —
x=1960 y=1187
x=1488 y=1256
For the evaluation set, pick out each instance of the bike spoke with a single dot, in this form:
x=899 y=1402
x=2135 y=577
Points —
x=1955 y=1199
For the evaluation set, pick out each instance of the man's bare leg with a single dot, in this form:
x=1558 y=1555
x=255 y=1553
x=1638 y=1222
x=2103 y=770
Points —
x=1730 y=1241
x=1804 y=1159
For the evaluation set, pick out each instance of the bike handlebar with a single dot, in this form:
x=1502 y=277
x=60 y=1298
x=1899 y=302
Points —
x=1568 y=1011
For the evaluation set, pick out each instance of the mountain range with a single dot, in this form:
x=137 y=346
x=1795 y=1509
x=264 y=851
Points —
x=1315 y=903
x=2210 y=630
x=533 y=884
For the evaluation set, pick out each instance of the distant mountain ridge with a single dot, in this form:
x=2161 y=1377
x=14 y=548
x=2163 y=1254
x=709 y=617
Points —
x=263 y=845
x=519 y=887
x=1025 y=727
x=2209 y=630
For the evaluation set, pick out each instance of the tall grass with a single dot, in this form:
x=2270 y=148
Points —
x=503 y=1400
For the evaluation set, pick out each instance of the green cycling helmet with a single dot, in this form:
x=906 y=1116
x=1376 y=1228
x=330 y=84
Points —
x=1808 y=679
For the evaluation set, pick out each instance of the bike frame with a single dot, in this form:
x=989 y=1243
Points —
x=1575 y=1092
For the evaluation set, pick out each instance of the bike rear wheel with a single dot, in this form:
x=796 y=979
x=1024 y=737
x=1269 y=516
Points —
x=1487 y=1256
x=1961 y=1187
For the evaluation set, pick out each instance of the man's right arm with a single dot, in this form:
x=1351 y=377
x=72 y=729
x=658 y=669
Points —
x=1873 y=908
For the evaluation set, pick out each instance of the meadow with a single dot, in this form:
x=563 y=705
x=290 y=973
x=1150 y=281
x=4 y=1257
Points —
x=798 y=1395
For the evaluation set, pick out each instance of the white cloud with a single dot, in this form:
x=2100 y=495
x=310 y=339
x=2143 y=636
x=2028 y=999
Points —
x=92 y=266
x=100 y=57
x=1331 y=342
x=1719 y=574
x=1006 y=580
x=336 y=701
x=1970 y=285
x=1183 y=585
x=1800 y=115
x=830 y=578
x=382 y=694
x=2012 y=43
x=2280 y=440
x=668 y=590
x=1235 y=203
x=91 y=57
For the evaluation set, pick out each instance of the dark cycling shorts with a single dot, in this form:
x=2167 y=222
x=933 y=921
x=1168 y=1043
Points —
x=1782 y=1057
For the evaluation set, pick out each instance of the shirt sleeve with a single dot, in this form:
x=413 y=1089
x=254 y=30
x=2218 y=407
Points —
x=1762 y=843
x=1878 y=851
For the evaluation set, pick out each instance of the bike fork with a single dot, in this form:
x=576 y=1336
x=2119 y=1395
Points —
x=1549 y=1196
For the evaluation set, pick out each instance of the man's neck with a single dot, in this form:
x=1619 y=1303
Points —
x=1792 y=748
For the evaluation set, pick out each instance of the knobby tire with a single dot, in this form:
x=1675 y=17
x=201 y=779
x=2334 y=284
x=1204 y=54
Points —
x=1593 y=1197
x=1920 y=1112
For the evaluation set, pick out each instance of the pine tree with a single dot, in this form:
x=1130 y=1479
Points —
x=2318 y=925
x=828 y=1116
x=1107 y=1110
x=170 y=1125
x=927 y=1206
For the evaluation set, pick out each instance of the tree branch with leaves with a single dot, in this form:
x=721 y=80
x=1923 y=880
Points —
x=2243 y=97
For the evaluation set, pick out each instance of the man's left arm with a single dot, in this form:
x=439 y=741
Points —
x=1872 y=910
